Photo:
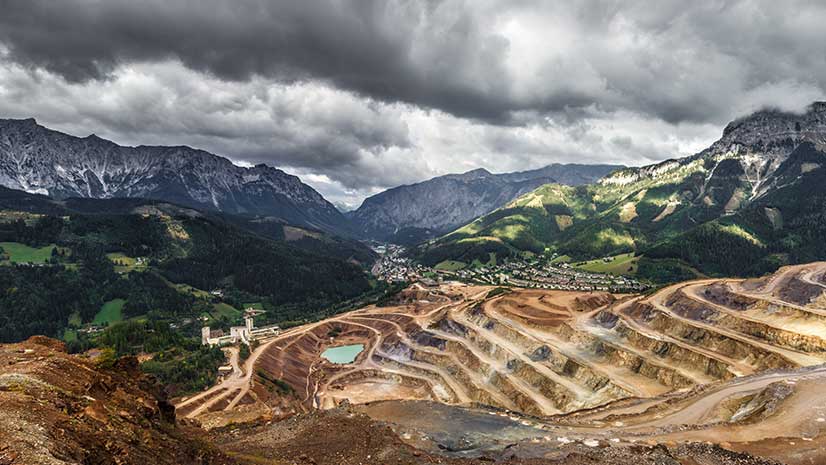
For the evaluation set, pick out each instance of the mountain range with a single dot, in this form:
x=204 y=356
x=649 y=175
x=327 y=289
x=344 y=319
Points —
x=743 y=196
x=740 y=194
x=39 y=160
x=412 y=213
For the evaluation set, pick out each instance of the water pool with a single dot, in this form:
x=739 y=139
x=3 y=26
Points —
x=343 y=354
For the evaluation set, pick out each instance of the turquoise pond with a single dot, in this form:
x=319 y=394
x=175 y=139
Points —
x=343 y=354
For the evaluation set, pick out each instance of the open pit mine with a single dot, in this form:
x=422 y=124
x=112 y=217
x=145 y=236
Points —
x=737 y=364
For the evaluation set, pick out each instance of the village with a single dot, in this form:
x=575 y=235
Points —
x=395 y=267
x=521 y=273
x=533 y=272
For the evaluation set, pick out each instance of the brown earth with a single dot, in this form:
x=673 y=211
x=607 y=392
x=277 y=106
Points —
x=342 y=437
x=57 y=408
x=695 y=363
x=704 y=372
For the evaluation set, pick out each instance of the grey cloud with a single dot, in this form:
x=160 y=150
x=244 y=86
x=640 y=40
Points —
x=680 y=61
x=308 y=125
x=343 y=144
x=371 y=46
x=361 y=95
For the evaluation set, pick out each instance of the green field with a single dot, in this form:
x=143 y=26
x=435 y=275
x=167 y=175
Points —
x=110 y=312
x=124 y=263
x=561 y=259
x=187 y=289
x=21 y=253
x=69 y=335
x=225 y=310
x=450 y=265
x=625 y=264
x=222 y=310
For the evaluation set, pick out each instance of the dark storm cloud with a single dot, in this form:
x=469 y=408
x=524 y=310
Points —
x=680 y=61
x=372 y=46
x=365 y=94
x=303 y=125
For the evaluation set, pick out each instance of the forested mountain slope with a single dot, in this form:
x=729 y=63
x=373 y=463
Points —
x=157 y=258
x=753 y=200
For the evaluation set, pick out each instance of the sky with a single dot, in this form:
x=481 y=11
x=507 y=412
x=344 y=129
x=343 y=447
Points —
x=358 y=96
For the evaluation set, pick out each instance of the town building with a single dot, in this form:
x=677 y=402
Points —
x=239 y=334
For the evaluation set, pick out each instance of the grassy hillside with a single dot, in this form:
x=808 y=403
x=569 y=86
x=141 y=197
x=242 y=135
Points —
x=786 y=225
x=624 y=264
x=15 y=252
x=699 y=214
x=111 y=312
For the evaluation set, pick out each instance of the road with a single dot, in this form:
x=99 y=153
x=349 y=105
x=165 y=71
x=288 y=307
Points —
x=238 y=381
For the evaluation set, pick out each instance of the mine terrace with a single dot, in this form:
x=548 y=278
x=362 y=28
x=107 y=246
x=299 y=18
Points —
x=707 y=360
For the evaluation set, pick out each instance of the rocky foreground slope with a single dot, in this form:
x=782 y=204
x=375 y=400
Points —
x=59 y=409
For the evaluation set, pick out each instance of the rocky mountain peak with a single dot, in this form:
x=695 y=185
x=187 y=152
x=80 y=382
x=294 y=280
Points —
x=774 y=131
x=39 y=160
x=761 y=142
x=478 y=173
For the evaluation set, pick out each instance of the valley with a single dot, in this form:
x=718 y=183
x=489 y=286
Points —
x=412 y=232
x=714 y=360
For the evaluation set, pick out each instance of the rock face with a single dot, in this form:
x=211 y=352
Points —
x=39 y=160
x=58 y=409
x=760 y=143
x=414 y=212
